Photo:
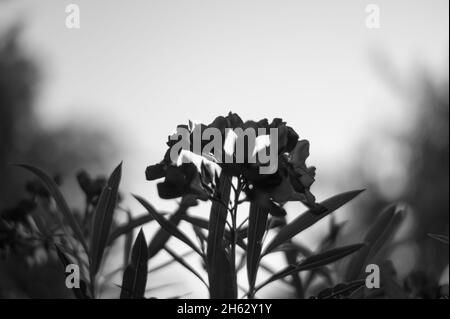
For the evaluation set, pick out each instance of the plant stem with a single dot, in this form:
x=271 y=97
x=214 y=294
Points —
x=234 y=230
x=92 y=285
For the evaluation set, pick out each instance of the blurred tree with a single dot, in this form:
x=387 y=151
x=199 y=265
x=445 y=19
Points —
x=422 y=154
x=427 y=187
x=24 y=139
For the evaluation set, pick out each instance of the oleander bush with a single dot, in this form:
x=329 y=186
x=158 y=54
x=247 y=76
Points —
x=247 y=222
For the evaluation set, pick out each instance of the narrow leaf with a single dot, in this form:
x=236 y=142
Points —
x=309 y=218
x=222 y=283
x=168 y=226
x=201 y=238
x=345 y=289
x=162 y=236
x=79 y=293
x=256 y=229
x=291 y=258
x=223 y=278
x=128 y=243
x=53 y=189
x=164 y=265
x=386 y=236
x=374 y=239
x=313 y=262
x=199 y=222
x=291 y=253
x=183 y=263
x=204 y=224
x=135 y=276
x=133 y=223
x=103 y=217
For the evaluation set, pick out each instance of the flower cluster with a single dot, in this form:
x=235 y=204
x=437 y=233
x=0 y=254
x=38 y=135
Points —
x=194 y=170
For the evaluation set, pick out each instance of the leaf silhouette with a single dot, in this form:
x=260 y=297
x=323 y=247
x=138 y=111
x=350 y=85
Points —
x=291 y=258
x=164 y=265
x=130 y=225
x=162 y=236
x=80 y=293
x=221 y=283
x=256 y=229
x=182 y=262
x=103 y=217
x=204 y=224
x=383 y=228
x=168 y=226
x=128 y=243
x=135 y=276
x=199 y=222
x=53 y=189
x=309 y=218
x=313 y=262
x=344 y=289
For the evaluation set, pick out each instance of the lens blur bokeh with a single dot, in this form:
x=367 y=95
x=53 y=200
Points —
x=372 y=102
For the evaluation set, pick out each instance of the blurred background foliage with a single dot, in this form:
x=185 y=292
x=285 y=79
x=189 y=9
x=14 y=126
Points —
x=24 y=139
x=422 y=183
x=419 y=152
x=422 y=161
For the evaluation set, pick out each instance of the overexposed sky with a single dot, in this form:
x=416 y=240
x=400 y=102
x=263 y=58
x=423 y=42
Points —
x=138 y=68
x=143 y=67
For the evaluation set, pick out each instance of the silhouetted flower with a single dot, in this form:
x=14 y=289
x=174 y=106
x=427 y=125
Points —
x=92 y=188
x=290 y=181
x=180 y=181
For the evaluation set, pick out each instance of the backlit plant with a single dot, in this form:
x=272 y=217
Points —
x=246 y=222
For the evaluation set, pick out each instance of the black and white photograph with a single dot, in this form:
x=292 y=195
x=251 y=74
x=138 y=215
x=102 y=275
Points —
x=224 y=157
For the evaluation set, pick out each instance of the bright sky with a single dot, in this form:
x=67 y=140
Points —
x=143 y=68
x=139 y=68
